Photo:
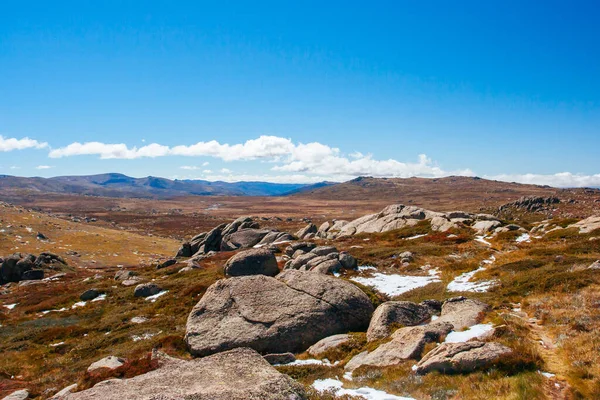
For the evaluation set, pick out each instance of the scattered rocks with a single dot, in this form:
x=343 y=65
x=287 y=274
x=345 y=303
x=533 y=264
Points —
x=110 y=362
x=275 y=315
x=18 y=266
x=123 y=275
x=587 y=225
x=244 y=232
x=407 y=343
x=146 y=290
x=450 y=358
x=235 y=375
x=322 y=259
x=531 y=203
x=252 y=262
x=299 y=246
x=308 y=232
x=329 y=343
x=399 y=313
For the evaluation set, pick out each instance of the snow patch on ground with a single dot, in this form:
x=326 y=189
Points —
x=100 y=297
x=325 y=362
x=394 y=285
x=10 y=306
x=525 y=237
x=367 y=393
x=153 y=298
x=481 y=239
x=144 y=336
x=362 y=268
x=415 y=237
x=475 y=331
x=462 y=283
x=547 y=374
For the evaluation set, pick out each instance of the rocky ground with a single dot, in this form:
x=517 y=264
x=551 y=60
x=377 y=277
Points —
x=398 y=302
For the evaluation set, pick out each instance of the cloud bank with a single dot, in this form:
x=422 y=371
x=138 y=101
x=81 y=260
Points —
x=292 y=162
x=10 y=144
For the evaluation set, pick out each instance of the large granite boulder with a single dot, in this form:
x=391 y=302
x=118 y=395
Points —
x=234 y=375
x=252 y=262
x=462 y=312
x=400 y=313
x=275 y=315
x=407 y=343
x=451 y=358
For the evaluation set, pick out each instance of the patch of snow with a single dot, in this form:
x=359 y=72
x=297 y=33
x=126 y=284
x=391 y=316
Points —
x=145 y=336
x=362 y=268
x=475 y=331
x=434 y=317
x=153 y=298
x=367 y=393
x=325 y=362
x=394 y=285
x=547 y=374
x=481 y=239
x=348 y=375
x=138 y=320
x=10 y=306
x=100 y=298
x=462 y=283
x=29 y=229
x=525 y=237
x=79 y=304
x=415 y=237
x=57 y=344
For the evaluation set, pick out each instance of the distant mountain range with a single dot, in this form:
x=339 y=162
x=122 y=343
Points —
x=119 y=185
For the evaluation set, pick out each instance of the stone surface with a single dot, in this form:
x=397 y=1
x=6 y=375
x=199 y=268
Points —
x=587 y=225
x=462 y=312
x=399 y=313
x=329 y=343
x=288 y=313
x=252 y=262
x=18 y=395
x=110 y=362
x=146 y=289
x=89 y=294
x=123 y=275
x=451 y=358
x=347 y=260
x=407 y=343
x=233 y=375
x=305 y=232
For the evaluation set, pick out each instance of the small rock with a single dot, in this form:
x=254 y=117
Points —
x=146 y=289
x=462 y=312
x=329 y=343
x=89 y=294
x=390 y=313
x=451 y=358
x=68 y=390
x=110 y=362
x=41 y=236
x=347 y=261
x=166 y=264
x=123 y=275
x=18 y=395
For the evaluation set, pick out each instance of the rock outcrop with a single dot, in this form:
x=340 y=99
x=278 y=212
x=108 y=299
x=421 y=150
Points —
x=146 y=290
x=587 y=225
x=451 y=358
x=288 y=313
x=399 y=216
x=252 y=262
x=234 y=375
x=22 y=266
x=407 y=343
x=399 y=313
x=244 y=232
x=322 y=259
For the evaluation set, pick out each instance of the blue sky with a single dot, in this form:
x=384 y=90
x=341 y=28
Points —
x=301 y=91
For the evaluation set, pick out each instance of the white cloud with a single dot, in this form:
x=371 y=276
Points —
x=561 y=179
x=302 y=162
x=44 y=167
x=15 y=167
x=10 y=144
